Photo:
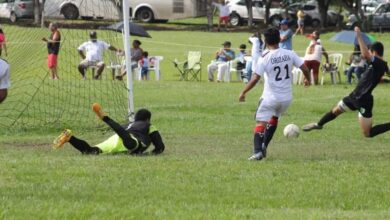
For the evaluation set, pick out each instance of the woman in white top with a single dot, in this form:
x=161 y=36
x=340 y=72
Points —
x=357 y=63
x=313 y=57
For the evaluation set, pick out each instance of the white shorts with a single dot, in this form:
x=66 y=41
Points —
x=268 y=108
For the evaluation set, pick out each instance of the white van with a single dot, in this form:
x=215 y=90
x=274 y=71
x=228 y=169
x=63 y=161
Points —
x=150 y=10
x=86 y=9
x=143 y=10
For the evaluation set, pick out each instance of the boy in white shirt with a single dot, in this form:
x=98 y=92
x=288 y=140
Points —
x=275 y=65
x=224 y=13
x=4 y=80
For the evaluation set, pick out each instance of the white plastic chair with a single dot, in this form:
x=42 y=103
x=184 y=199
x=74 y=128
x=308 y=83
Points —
x=153 y=66
x=337 y=59
x=116 y=63
x=298 y=76
x=232 y=67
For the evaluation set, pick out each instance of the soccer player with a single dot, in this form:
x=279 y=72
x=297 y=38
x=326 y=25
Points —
x=134 y=138
x=4 y=80
x=275 y=66
x=361 y=98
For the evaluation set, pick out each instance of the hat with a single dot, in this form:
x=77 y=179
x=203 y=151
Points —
x=284 y=22
x=93 y=35
x=243 y=46
x=227 y=43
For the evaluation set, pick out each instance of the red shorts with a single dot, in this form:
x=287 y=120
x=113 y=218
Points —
x=52 y=60
x=225 y=19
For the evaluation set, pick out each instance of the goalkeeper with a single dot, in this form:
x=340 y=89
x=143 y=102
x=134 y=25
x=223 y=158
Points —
x=134 y=138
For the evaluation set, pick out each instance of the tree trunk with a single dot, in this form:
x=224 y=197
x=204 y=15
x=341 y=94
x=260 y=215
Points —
x=37 y=12
x=209 y=15
x=249 y=8
x=323 y=6
x=267 y=11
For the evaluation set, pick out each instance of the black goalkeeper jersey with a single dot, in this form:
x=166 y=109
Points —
x=370 y=78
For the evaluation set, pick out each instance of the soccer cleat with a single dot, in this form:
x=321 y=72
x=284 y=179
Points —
x=97 y=108
x=62 y=139
x=311 y=126
x=257 y=156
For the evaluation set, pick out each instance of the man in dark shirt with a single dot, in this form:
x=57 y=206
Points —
x=53 y=48
x=361 y=98
x=133 y=138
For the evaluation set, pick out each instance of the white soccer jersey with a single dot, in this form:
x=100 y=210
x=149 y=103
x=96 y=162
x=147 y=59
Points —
x=4 y=75
x=276 y=68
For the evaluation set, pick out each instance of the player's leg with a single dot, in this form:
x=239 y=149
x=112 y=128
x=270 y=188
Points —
x=128 y=141
x=365 y=119
x=263 y=114
x=344 y=105
x=82 y=146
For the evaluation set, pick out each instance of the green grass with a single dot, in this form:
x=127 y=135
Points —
x=203 y=174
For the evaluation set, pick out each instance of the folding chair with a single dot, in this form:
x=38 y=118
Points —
x=190 y=69
x=334 y=68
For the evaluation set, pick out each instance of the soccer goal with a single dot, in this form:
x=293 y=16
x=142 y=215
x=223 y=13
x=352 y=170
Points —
x=37 y=101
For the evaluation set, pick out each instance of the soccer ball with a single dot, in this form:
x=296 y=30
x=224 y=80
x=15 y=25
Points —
x=291 y=131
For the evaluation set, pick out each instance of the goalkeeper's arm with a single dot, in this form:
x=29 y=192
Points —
x=157 y=142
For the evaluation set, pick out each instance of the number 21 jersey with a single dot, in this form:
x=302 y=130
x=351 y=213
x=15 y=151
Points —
x=275 y=66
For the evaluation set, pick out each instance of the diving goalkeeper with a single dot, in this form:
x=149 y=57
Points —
x=134 y=138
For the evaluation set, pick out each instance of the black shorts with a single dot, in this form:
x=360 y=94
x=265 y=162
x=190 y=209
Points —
x=363 y=105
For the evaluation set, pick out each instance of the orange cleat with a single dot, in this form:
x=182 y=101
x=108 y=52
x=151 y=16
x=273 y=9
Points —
x=62 y=139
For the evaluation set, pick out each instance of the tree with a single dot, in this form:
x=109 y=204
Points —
x=249 y=7
x=37 y=12
x=323 y=6
x=268 y=4
x=210 y=14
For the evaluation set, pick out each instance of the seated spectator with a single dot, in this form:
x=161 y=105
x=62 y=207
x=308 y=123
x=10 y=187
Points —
x=144 y=63
x=241 y=62
x=313 y=56
x=136 y=56
x=357 y=64
x=222 y=57
x=94 y=55
x=257 y=48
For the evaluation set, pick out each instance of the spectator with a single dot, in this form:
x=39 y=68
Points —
x=53 y=48
x=285 y=35
x=2 y=42
x=224 y=13
x=222 y=57
x=4 y=79
x=313 y=56
x=357 y=64
x=300 y=22
x=136 y=56
x=241 y=62
x=144 y=65
x=257 y=48
x=94 y=55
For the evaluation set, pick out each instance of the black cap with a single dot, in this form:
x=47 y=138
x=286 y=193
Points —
x=227 y=43
x=93 y=35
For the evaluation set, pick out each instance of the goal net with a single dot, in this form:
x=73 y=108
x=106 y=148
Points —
x=35 y=100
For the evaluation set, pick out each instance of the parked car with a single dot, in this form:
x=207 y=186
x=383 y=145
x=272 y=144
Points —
x=313 y=17
x=15 y=9
x=239 y=12
x=379 y=19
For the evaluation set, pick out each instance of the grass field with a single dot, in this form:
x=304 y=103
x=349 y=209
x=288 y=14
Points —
x=204 y=174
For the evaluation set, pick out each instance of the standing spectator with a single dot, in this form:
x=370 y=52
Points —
x=221 y=58
x=285 y=35
x=53 y=48
x=144 y=65
x=357 y=64
x=136 y=56
x=241 y=62
x=257 y=48
x=4 y=79
x=224 y=13
x=94 y=54
x=2 y=42
x=313 y=57
x=300 y=22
